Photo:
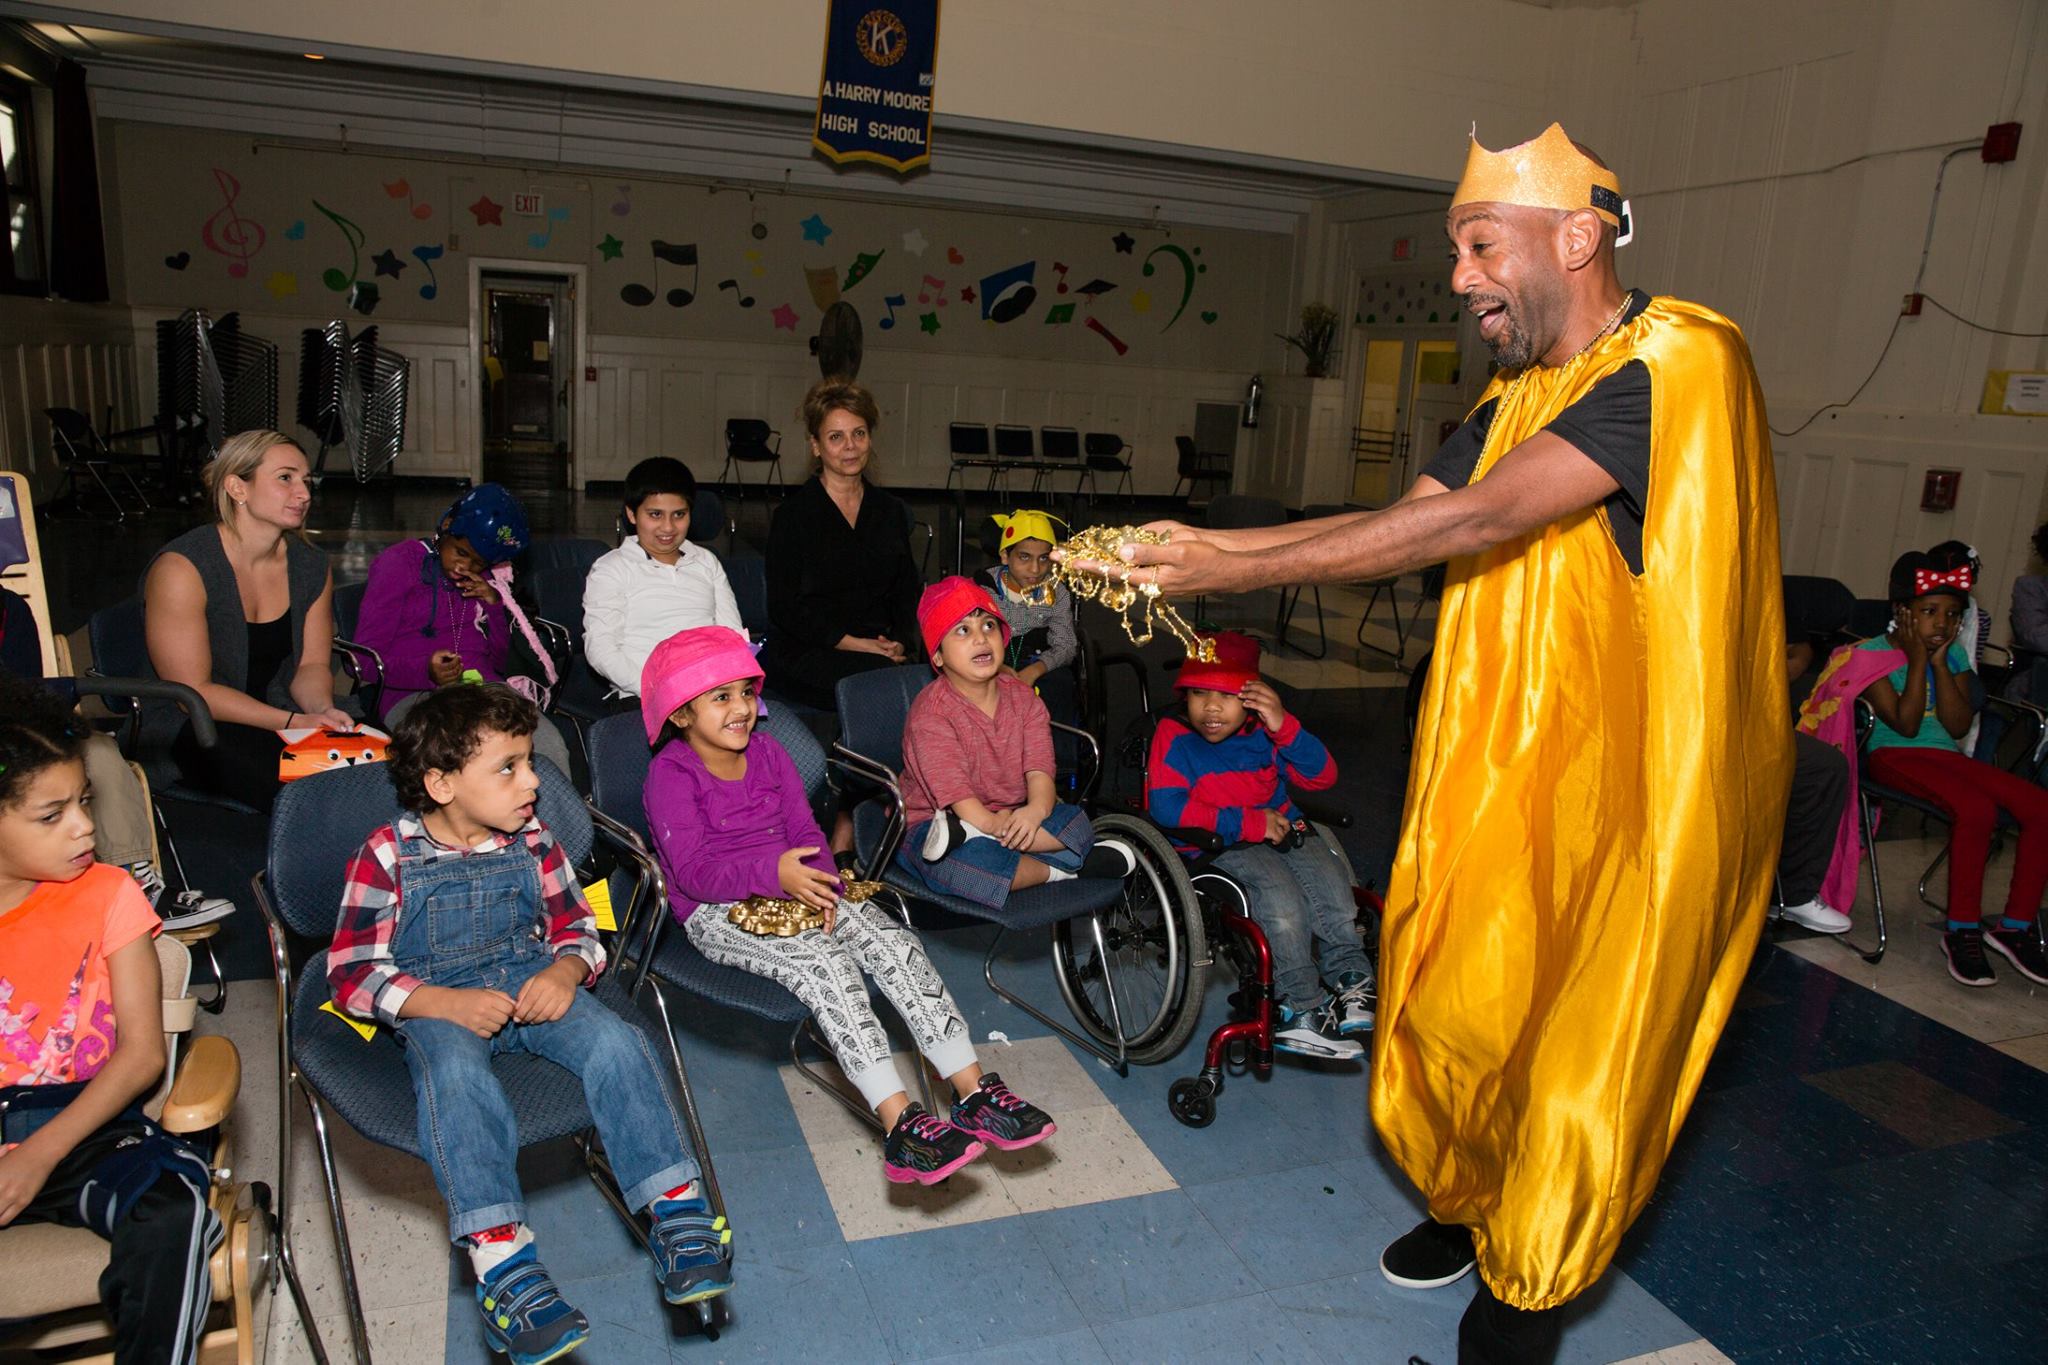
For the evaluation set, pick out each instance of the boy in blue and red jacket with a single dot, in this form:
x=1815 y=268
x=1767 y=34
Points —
x=1225 y=765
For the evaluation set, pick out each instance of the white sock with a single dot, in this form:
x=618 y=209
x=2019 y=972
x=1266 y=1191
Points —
x=1058 y=874
x=974 y=833
x=484 y=1257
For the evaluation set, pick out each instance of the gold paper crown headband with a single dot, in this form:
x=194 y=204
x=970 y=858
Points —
x=1546 y=172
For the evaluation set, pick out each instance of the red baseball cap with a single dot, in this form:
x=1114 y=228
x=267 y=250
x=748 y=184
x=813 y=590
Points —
x=1236 y=663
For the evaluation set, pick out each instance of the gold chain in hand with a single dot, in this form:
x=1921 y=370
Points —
x=779 y=917
x=1099 y=544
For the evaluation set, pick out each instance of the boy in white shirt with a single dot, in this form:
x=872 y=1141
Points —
x=655 y=584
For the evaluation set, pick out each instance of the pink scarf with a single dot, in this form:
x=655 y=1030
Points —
x=1829 y=715
x=535 y=692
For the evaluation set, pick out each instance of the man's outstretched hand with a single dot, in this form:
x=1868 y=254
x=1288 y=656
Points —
x=1189 y=565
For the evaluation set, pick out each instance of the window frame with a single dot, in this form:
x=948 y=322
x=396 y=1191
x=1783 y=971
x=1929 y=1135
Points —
x=17 y=103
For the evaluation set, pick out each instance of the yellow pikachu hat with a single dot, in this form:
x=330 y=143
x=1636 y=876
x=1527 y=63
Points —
x=1026 y=526
x=1546 y=172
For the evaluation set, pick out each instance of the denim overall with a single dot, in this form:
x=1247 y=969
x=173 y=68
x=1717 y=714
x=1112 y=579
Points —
x=476 y=922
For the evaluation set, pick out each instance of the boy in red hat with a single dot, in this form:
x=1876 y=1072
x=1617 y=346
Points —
x=979 y=812
x=1225 y=765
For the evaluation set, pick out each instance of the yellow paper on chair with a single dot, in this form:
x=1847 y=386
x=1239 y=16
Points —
x=368 y=1031
x=1592 y=824
x=599 y=894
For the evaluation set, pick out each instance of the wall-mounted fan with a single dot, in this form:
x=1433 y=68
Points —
x=837 y=344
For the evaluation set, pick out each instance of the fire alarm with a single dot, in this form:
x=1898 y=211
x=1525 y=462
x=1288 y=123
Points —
x=1938 y=491
x=2001 y=143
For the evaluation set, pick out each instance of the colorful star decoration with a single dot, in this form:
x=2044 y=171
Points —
x=929 y=324
x=282 y=284
x=967 y=294
x=611 y=248
x=815 y=229
x=914 y=242
x=785 y=318
x=1123 y=242
x=488 y=212
x=388 y=263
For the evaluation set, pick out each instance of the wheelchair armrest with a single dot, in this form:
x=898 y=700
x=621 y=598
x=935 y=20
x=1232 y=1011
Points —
x=1324 y=815
x=561 y=643
x=204 y=1092
x=359 y=657
x=1206 y=841
x=150 y=689
x=1094 y=751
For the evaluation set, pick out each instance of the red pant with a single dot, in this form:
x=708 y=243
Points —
x=1973 y=793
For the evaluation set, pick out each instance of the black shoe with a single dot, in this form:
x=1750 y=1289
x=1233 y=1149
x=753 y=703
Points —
x=1429 y=1257
x=946 y=832
x=1108 y=860
x=925 y=1149
x=1964 y=949
x=2022 y=948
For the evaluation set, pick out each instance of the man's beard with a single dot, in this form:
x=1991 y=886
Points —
x=1512 y=349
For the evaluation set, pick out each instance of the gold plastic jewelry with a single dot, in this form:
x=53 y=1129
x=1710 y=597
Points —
x=781 y=917
x=1099 y=544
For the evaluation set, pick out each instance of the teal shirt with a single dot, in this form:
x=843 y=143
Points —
x=1933 y=734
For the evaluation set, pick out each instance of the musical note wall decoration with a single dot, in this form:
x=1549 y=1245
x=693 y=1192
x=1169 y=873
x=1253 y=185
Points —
x=932 y=291
x=1189 y=267
x=1059 y=268
x=334 y=277
x=227 y=233
x=402 y=189
x=892 y=302
x=556 y=216
x=426 y=256
x=746 y=300
x=680 y=254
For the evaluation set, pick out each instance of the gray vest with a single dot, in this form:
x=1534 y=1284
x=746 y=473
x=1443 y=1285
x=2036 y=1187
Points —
x=227 y=631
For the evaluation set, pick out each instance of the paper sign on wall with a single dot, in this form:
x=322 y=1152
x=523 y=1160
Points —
x=2019 y=393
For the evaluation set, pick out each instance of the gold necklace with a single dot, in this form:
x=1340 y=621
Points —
x=1099 y=544
x=1516 y=387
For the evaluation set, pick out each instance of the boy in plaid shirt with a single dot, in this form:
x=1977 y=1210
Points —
x=462 y=928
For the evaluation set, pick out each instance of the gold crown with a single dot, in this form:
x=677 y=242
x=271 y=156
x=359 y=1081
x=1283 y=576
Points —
x=1546 y=172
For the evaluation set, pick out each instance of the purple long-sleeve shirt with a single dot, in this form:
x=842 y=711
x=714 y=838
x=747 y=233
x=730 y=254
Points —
x=411 y=609
x=721 y=841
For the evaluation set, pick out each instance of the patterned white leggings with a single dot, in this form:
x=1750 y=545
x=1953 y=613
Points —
x=825 y=973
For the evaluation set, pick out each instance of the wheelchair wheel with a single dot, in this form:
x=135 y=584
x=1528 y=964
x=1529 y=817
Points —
x=1193 y=1101
x=1150 y=945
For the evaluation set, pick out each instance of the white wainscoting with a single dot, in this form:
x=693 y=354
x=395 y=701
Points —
x=663 y=397
x=62 y=355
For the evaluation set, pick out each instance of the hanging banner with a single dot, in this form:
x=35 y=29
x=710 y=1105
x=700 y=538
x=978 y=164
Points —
x=875 y=96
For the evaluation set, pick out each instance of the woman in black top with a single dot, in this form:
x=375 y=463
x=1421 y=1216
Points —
x=842 y=585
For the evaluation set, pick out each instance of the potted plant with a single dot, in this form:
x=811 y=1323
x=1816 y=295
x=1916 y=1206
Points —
x=1317 y=339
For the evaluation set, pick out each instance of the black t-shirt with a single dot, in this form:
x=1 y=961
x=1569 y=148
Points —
x=1609 y=426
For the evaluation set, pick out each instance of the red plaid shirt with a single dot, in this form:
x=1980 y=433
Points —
x=366 y=980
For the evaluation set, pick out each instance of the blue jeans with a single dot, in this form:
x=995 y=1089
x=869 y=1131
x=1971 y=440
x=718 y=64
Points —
x=1302 y=899
x=981 y=870
x=474 y=922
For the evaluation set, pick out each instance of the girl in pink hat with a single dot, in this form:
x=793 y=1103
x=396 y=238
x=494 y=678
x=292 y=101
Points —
x=730 y=820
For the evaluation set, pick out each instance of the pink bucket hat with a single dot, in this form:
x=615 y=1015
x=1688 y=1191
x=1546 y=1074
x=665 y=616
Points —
x=948 y=602
x=689 y=664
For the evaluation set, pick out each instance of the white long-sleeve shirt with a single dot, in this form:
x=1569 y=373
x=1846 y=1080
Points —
x=632 y=602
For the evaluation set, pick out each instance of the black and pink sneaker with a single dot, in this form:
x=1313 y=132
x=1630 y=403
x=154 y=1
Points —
x=1000 y=1117
x=925 y=1149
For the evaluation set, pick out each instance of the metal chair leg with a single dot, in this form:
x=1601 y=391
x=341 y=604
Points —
x=1118 y=1059
x=856 y=1106
x=1876 y=882
x=287 y=1261
x=1290 y=598
x=344 y=1253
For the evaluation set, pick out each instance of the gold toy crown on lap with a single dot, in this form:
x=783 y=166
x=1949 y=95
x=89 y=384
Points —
x=1099 y=544
x=777 y=917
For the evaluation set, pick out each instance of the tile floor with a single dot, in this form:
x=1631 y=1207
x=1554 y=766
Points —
x=1864 y=1177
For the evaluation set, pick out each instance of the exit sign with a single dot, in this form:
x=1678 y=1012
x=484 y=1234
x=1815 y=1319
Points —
x=528 y=205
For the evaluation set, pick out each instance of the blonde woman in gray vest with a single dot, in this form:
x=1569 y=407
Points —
x=242 y=612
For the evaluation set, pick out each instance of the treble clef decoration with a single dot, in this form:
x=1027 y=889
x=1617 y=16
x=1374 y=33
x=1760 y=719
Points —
x=227 y=232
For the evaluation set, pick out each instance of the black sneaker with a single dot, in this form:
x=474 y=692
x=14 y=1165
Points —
x=1108 y=860
x=946 y=832
x=1430 y=1256
x=2022 y=948
x=1315 y=1034
x=1964 y=949
x=1001 y=1117
x=1357 y=1006
x=926 y=1149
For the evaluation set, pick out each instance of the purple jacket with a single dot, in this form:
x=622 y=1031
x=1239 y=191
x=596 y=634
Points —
x=411 y=609
x=721 y=841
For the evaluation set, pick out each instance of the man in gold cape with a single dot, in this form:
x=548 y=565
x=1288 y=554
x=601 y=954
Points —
x=1602 y=757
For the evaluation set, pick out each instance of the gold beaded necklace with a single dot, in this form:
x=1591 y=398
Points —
x=1509 y=397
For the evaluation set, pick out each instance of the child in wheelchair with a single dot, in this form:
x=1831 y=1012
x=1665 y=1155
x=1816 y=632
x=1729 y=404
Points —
x=1224 y=764
x=81 y=1047
x=730 y=822
x=980 y=816
x=1043 y=643
x=462 y=927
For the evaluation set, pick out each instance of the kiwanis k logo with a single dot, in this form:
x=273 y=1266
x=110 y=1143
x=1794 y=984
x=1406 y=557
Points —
x=882 y=37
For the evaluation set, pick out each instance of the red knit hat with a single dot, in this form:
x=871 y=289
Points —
x=947 y=603
x=1236 y=663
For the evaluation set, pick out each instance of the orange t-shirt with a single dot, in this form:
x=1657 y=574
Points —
x=56 y=995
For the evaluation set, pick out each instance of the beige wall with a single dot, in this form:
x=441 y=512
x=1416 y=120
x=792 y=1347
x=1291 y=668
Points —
x=1358 y=83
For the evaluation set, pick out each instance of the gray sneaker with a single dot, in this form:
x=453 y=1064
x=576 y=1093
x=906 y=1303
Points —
x=1357 y=1006
x=1315 y=1034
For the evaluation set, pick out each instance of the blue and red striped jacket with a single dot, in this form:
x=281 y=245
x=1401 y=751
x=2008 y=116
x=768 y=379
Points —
x=1190 y=782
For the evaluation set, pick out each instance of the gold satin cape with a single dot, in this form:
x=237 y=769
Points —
x=1601 y=767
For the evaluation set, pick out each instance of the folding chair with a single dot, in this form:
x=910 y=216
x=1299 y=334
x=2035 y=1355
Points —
x=318 y=824
x=49 y=1300
x=749 y=440
x=1136 y=996
x=80 y=448
x=1194 y=468
x=1059 y=450
x=619 y=764
x=1105 y=453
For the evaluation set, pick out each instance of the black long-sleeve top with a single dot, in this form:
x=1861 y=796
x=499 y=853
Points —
x=827 y=579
